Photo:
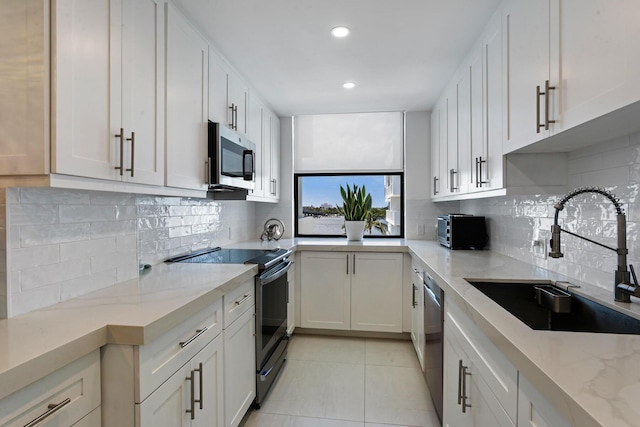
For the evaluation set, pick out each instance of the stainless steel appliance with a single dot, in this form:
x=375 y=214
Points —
x=460 y=231
x=230 y=163
x=434 y=340
x=272 y=296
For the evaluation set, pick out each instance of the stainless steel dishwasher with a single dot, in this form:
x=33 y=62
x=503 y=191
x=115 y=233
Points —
x=434 y=340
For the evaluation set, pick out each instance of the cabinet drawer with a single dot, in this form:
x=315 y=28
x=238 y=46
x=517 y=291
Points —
x=162 y=357
x=73 y=389
x=496 y=370
x=238 y=301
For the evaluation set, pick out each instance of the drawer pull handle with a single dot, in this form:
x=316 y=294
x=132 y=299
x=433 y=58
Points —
x=465 y=405
x=199 y=332
x=51 y=409
x=244 y=298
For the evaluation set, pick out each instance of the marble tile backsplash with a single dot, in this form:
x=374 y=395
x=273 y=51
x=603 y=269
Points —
x=58 y=244
x=515 y=221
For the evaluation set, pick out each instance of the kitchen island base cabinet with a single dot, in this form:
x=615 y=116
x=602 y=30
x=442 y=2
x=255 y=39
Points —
x=360 y=291
x=190 y=397
x=74 y=390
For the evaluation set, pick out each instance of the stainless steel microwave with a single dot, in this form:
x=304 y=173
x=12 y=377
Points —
x=231 y=159
x=460 y=231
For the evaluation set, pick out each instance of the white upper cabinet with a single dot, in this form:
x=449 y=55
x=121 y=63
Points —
x=467 y=134
x=107 y=115
x=567 y=62
x=595 y=58
x=187 y=99
x=526 y=69
x=228 y=96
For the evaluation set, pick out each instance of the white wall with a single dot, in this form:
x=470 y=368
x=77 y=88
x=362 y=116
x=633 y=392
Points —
x=514 y=221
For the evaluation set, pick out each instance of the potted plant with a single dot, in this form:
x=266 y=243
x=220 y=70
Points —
x=356 y=208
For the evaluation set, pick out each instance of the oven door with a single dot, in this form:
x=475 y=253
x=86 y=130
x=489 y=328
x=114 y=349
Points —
x=272 y=296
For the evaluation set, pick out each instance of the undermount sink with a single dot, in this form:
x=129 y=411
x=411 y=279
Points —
x=543 y=306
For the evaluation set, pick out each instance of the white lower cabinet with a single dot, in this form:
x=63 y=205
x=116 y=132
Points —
x=190 y=397
x=155 y=384
x=534 y=410
x=68 y=397
x=480 y=384
x=239 y=367
x=351 y=291
x=417 y=313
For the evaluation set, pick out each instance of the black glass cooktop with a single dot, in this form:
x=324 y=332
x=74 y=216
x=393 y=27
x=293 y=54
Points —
x=261 y=257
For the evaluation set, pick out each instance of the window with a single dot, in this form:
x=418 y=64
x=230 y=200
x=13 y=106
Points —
x=317 y=199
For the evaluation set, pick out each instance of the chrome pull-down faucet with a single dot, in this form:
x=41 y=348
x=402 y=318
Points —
x=623 y=288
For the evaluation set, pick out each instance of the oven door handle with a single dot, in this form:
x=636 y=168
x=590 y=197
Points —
x=270 y=276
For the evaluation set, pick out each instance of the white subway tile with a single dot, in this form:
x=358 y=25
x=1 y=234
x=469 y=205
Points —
x=606 y=177
x=53 y=196
x=179 y=231
x=91 y=213
x=114 y=260
x=87 y=248
x=32 y=278
x=34 y=256
x=112 y=199
x=51 y=234
x=118 y=228
x=127 y=242
x=32 y=214
x=126 y=212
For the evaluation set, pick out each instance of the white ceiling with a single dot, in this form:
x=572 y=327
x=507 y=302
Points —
x=400 y=53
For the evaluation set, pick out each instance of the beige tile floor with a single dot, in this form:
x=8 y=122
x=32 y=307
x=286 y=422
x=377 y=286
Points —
x=347 y=382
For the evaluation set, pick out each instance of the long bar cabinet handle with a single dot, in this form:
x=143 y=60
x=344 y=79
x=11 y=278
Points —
x=347 y=264
x=243 y=299
x=51 y=409
x=231 y=125
x=199 y=332
x=435 y=183
x=354 y=264
x=459 y=382
x=192 y=407
x=452 y=176
x=538 y=95
x=199 y=371
x=121 y=137
x=547 y=88
x=465 y=405
x=479 y=163
x=133 y=143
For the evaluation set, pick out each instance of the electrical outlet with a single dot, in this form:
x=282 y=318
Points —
x=539 y=248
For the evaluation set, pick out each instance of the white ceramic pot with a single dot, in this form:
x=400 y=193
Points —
x=355 y=229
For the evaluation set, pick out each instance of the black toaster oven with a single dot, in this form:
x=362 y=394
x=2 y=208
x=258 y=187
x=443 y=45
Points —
x=460 y=231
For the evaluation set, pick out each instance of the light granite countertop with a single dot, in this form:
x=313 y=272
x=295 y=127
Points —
x=592 y=379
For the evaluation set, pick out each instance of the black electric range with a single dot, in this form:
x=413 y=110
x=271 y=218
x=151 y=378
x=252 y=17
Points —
x=265 y=258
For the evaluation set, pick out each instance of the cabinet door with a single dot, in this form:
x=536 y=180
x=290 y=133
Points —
x=239 y=368
x=463 y=113
x=211 y=358
x=417 y=314
x=218 y=82
x=238 y=95
x=478 y=140
x=143 y=91
x=325 y=290
x=526 y=65
x=24 y=87
x=452 y=414
x=536 y=411
x=274 y=170
x=376 y=292
x=444 y=147
x=168 y=405
x=435 y=152
x=492 y=170
x=597 y=58
x=186 y=98
x=291 y=299
x=87 y=81
x=453 y=169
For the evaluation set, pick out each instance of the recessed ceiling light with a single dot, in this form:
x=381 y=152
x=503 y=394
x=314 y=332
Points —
x=340 y=32
x=349 y=85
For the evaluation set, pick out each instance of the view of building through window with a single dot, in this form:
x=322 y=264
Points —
x=318 y=201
